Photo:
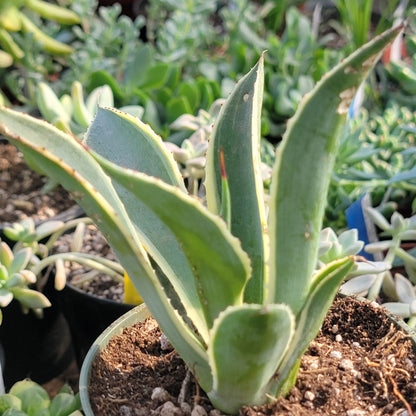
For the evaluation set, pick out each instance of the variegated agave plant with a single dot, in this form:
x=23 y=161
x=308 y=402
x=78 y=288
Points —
x=237 y=292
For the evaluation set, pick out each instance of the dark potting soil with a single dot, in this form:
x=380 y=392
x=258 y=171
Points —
x=360 y=364
x=20 y=190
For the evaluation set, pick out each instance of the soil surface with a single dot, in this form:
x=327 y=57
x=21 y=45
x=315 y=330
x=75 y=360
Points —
x=359 y=364
x=20 y=190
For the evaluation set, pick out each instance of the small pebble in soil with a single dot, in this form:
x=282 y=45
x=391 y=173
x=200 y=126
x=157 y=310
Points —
x=335 y=354
x=165 y=344
x=356 y=344
x=198 y=411
x=334 y=329
x=309 y=396
x=311 y=363
x=356 y=412
x=125 y=411
x=346 y=365
x=169 y=409
x=186 y=408
x=338 y=338
x=160 y=395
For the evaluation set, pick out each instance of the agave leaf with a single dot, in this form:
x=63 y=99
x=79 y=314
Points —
x=310 y=144
x=68 y=161
x=237 y=134
x=141 y=149
x=247 y=344
x=323 y=291
x=220 y=267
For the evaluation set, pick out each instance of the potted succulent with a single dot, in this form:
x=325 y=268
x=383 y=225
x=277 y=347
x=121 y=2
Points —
x=235 y=282
x=34 y=337
x=48 y=265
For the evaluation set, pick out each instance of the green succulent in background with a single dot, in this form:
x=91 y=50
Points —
x=40 y=240
x=71 y=113
x=298 y=59
x=376 y=155
x=402 y=74
x=189 y=143
x=22 y=264
x=13 y=18
x=398 y=290
x=248 y=297
x=15 y=279
x=27 y=398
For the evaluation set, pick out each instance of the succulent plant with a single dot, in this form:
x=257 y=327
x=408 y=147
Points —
x=39 y=240
x=71 y=113
x=247 y=296
x=13 y=18
x=27 y=398
x=16 y=279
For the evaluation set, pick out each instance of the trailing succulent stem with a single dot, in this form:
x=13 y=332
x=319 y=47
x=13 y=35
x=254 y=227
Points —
x=240 y=297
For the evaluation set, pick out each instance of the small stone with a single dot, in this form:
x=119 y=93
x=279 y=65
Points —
x=309 y=396
x=346 y=365
x=335 y=354
x=356 y=412
x=125 y=411
x=169 y=409
x=160 y=395
x=338 y=338
x=308 y=404
x=186 y=408
x=198 y=411
x=356 y=344
x=334 y=329
x=165 y=344
x=311 y=363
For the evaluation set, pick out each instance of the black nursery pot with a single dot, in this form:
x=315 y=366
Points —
x=87 y=316
x=39 y=348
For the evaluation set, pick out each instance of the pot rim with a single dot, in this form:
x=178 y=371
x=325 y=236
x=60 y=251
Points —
x=138 y=313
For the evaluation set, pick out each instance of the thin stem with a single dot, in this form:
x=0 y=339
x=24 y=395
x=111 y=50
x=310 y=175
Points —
x=67 y=226
x=109 y=267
